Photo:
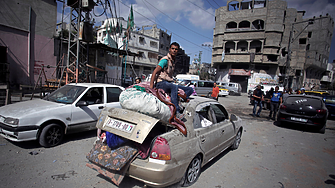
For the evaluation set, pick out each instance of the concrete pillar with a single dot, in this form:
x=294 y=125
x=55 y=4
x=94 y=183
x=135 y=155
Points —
x=236 y=46
x=249 y=41
x=262 y=46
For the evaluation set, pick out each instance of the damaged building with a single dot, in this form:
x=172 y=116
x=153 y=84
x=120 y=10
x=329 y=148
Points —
x=251 y=44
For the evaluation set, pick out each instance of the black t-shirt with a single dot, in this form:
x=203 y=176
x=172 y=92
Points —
x=258 y=93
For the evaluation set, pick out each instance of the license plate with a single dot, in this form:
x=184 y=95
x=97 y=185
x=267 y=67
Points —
x=120 y=125
x=299 y=119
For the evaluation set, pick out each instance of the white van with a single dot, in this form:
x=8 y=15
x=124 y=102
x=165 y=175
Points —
x=234 y=88
x=181 y=77
x=202 y=87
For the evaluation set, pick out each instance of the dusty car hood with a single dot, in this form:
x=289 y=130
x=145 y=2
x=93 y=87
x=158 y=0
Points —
x=21 y=109
x=140 y=124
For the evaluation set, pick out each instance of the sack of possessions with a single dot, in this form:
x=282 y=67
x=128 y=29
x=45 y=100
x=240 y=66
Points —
x=143 y=102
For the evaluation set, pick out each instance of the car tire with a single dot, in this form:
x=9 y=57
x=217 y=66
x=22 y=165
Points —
x=237 y=140
x=323 y=129
x=51 y=135
x=192 y=173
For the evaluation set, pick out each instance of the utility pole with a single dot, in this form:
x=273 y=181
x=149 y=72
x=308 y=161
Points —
x=80 y=31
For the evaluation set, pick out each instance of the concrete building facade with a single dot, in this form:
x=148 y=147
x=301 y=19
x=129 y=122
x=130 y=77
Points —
x=27 y=28
x=251 y=44
x=150 y=42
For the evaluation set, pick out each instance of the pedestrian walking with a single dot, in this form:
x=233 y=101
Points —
x=258 y=99
x=276 y=100
x=215 y=92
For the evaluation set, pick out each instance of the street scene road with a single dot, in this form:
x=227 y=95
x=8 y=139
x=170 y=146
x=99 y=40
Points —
x=269 y=156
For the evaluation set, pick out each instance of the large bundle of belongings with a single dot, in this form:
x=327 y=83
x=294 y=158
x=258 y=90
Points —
x=111 y=155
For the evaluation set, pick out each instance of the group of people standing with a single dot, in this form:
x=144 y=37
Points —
x=276 y=99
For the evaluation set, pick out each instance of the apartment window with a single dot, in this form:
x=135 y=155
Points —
x=297 y=72
x=141 y=54
x=141 y=40
x=272 y=58
x=153 y=44
x=152 y=55
x=302 y=41
x=309 y=34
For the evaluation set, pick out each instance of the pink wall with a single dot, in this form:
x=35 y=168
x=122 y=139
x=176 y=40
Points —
x=42 y=52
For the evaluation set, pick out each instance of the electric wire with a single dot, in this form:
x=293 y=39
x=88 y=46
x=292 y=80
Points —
x=201 y=8
x=165 y=27
x=178 y=22
x=216 y=3
x=210 y=4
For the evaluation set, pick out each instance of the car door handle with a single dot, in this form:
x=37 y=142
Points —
x=101 y=107
x=203 y=139
x=222 y=131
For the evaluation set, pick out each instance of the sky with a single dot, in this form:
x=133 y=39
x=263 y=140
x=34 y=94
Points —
x=191 y=22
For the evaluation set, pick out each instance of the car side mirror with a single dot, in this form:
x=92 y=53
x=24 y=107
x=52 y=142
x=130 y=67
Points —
x=81 y=103
x=233 y=117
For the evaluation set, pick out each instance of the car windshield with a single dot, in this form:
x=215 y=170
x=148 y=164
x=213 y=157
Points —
x=67 y=94
x=304 y=101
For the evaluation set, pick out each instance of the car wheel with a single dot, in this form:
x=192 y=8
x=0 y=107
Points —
x=323 y=129
x=192 y=173
x=51 y=135
x=237 y=141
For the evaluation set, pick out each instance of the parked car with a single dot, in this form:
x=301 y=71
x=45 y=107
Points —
x=317 y=93
x=173 y=157
x=330 y=104
x=223 y=91
x=71 y=108
x=305 y=110
x=234 y=88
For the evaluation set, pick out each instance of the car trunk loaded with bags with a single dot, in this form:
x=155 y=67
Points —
x=133 y=132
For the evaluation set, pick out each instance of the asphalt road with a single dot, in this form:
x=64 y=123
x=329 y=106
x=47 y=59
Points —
x=269 y=156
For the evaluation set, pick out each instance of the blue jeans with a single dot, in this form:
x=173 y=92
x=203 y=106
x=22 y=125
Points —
x=257 y=103
x=171 y=88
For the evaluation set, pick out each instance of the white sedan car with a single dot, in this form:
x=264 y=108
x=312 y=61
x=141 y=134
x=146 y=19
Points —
x=71 y=108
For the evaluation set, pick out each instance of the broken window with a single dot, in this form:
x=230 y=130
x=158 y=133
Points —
x=141 y=40
x=246 y=4
x=302 y=41
x=309 y=34
x=244 y=25
x=153 y=44
x=234 y=5
x=140 y=54
x=256 y=46
x=297 y=72
x=229 y=47
x=258 y=24
x=152 y=55
x=259 y=4
x=272 y=58
x=231 y=26
x=242 y=46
